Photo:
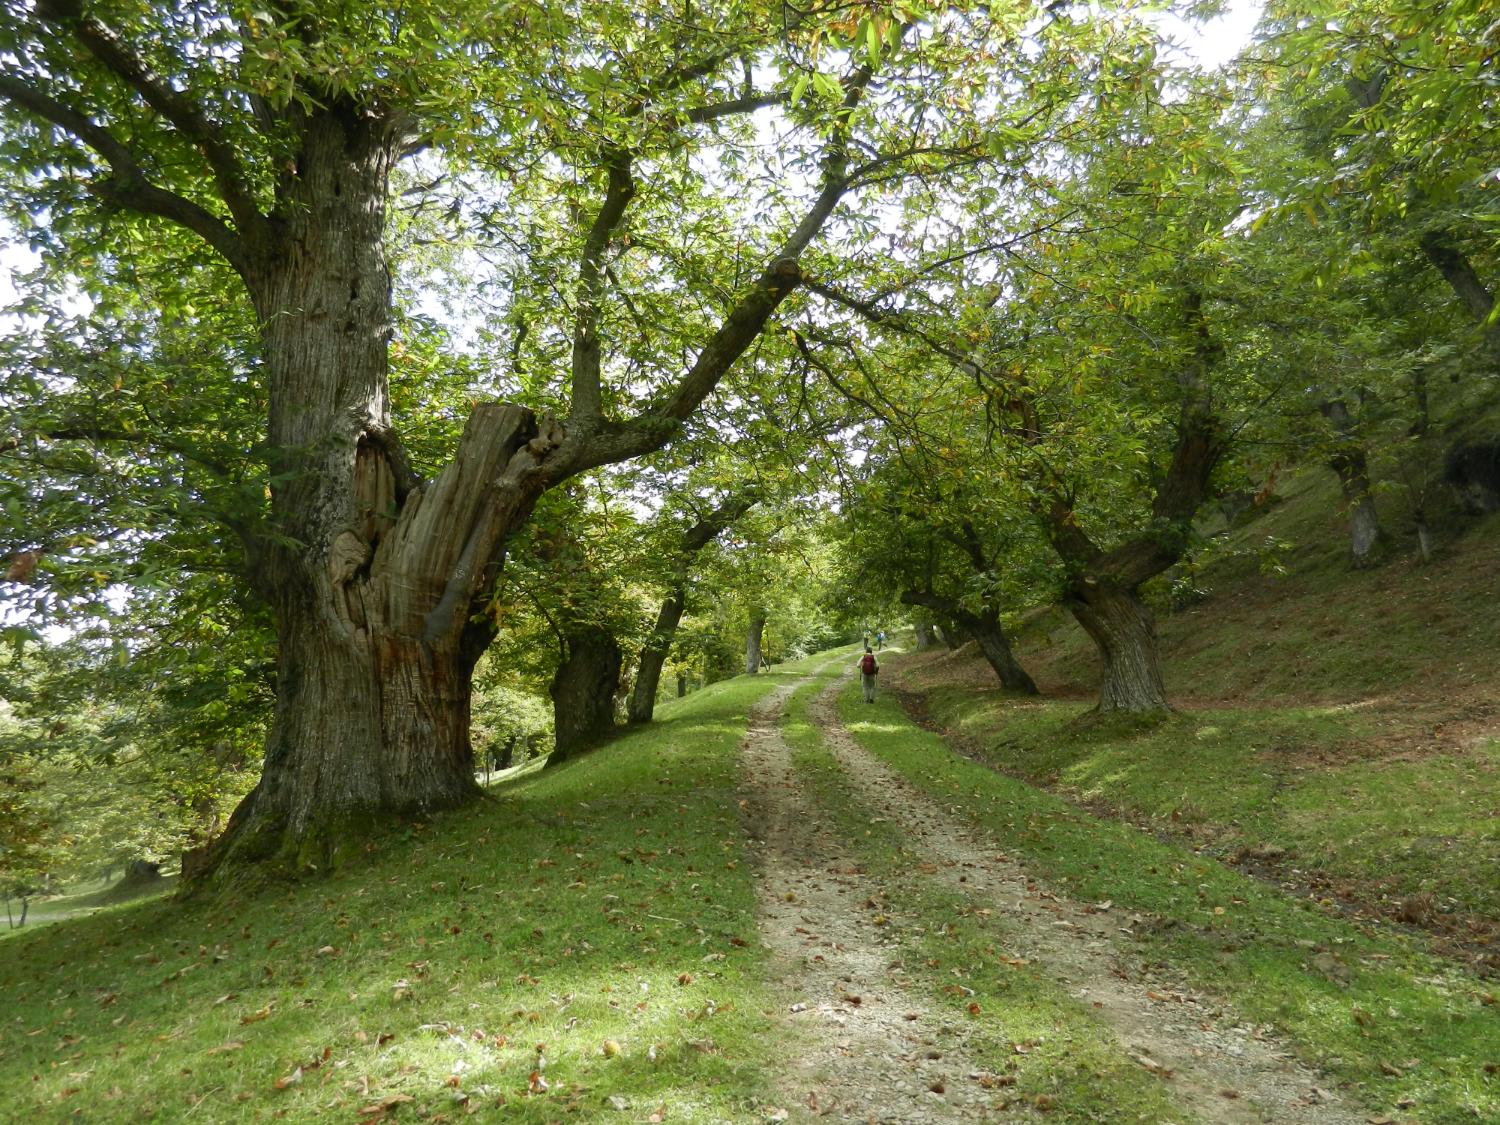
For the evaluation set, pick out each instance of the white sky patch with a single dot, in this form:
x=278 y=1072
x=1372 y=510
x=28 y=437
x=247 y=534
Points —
x=1211 y=44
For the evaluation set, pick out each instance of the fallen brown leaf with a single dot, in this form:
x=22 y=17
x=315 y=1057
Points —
x=385 y=1104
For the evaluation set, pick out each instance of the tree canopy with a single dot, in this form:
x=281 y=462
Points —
x=373 y=356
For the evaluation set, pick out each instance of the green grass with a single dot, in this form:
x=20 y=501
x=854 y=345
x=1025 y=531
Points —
x=961 y=961
x=1300 y=779
x=604 y=900
x=1353 y=1002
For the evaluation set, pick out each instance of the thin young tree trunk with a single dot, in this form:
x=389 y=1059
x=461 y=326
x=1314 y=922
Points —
x=654 y=656
x=1351 y=465
x=583 y=691
x=1122 y=627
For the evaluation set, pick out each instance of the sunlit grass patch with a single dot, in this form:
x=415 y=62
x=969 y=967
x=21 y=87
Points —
x=587 y=934
x=1300 y=780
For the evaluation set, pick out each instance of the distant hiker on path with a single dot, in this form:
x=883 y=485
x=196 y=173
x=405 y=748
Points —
x=869 y=667
x=879 y=640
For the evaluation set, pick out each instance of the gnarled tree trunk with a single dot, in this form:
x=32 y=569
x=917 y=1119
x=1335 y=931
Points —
x=925 y=637
x=986 y=630
x=373 y=575
x=583 y=690
x=1122 y=627
x=1103 y=591
x=995 y=645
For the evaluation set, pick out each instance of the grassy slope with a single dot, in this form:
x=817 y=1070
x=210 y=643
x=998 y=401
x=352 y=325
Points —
x=1342 y=723
x=581 y=905
x=1409 y=1034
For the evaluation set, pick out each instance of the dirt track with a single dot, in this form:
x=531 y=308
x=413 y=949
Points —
x=878 y=1052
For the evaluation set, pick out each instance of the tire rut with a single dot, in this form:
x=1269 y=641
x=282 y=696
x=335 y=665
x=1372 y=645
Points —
x=1222 y=1070
x=869 y=1050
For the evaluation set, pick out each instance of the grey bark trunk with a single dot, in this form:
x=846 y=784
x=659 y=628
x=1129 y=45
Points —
x=682 y=684
x=1443 y=251
x=1122 y=627
x=925 y=637
x=654 y=656
x=1353 y=469
x=1424 y=541
x=995 y=646
x=583 y=691
x=753 y=637
x=949 y=636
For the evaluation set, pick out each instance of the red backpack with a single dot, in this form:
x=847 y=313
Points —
x=867 y=664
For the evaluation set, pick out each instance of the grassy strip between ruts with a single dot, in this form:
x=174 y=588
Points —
x=1037 y=1046
x=584 y=943
x=1415 y=1038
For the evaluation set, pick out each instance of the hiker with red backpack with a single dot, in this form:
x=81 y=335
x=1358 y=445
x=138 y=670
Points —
x=868 y=668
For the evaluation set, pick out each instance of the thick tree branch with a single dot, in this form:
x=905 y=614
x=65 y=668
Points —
x=707 y=529
x=1182 y=490
x=127 y=185
x=587 y=395
x=180 y=111
x=748 y=103
x=1443 y=252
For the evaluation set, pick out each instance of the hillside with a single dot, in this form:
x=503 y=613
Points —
x=1336 y=728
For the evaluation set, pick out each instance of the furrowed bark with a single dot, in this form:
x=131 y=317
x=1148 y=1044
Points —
x=583 y=691
x=373 y=576
x=1122 y=627
x=987 y=632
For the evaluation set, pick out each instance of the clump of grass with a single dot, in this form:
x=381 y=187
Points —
x=1395 y=1025
x=587 y=935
